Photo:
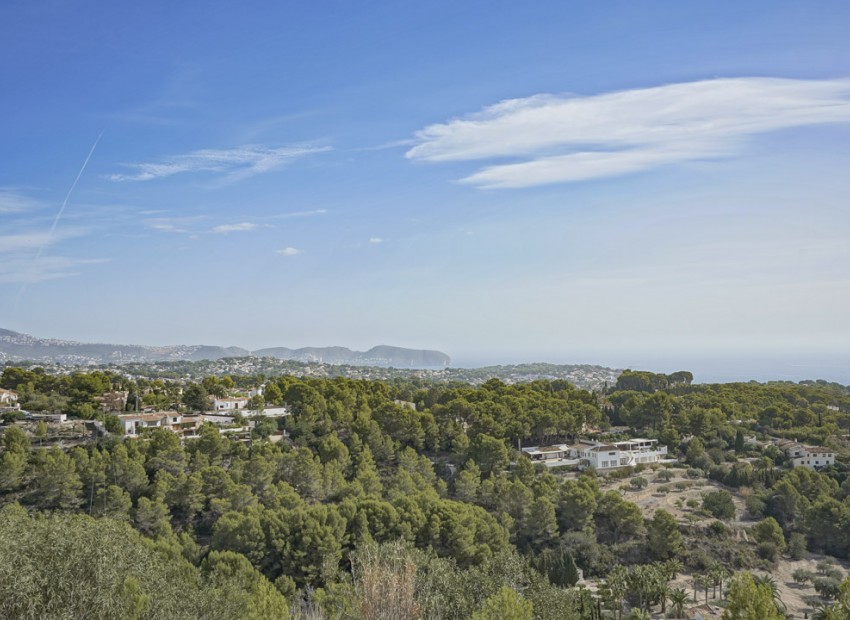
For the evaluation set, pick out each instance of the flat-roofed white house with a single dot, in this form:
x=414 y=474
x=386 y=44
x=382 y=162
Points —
x=623 y=454
x=229 y=404
x=601 y=456
x=813 y=457
x=553 y=456
x=185 y=425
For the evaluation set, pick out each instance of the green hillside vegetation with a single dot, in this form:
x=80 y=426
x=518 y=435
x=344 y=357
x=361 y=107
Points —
x=372 y=508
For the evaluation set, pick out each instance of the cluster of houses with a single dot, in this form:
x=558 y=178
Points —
x=607 y=456
x=224 y=414
x=600 y=456
x=182 y=424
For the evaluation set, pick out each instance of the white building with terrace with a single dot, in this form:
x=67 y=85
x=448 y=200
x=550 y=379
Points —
x=599 y=456
x=623 y=454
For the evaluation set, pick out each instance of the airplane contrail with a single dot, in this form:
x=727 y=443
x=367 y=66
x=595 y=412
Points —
x=61 y=211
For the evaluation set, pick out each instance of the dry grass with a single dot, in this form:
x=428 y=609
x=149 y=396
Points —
x=384 y=580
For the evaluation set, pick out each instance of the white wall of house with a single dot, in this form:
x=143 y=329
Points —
x=814 y=460
x=623 y=454
x=229 y=404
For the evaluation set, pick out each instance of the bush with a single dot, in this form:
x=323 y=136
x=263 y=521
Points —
x=638 y=482
x=12 y=416
x=718 y=529
x=797 y=546
x=834 y=573
x=768 y=531
x=768 y=551
x=665 y=475
x=755 y=506
x=801 y=575
x=719 y=504
x=693 y=472
x=827 y=587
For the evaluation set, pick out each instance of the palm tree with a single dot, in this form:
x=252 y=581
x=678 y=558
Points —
x=825 y=612
x=673 y=568
x=770 y=582
x=617 y=586
x=678 y=600
x=717 y=575
x=723 y=574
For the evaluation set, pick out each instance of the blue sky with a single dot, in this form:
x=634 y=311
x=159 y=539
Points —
x=611 y=182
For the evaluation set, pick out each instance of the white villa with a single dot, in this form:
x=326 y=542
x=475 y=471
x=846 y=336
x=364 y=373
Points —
x=599 y=456
x=8 y=398
x=229 y=404
x=623 y=454
x=183 y=425
x=813 y=457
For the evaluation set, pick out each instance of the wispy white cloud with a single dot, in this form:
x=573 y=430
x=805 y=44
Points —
x=24 y=241
x=289 y=252
x=22 y=263
x=22 y=269
x=309 y=213
x=12 y=201
x=561 y=139
x=235 y=163
x=176 y=224
x=375 y=240
x=229 y=228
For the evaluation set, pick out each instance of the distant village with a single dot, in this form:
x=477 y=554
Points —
x=235 y=414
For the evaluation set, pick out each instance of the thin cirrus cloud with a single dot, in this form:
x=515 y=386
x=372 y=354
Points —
x=561 y=139
x=235 y=163
x=21 y=261
x=32 y=241
x=240 y=227
x=289 y=252
x=12 y=201
x=375 y=240
x=26 y=270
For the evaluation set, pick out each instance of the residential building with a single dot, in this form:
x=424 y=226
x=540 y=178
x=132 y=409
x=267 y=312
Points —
x=813 y=457
x=56 y=418
x=553 y=456
x=600 y=456
x=114 y=401
x=134 y=424
x=623 y=454
x=229 y=404
x=8 y=398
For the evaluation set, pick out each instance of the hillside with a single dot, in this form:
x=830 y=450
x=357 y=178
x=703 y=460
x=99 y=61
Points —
x=15 y=347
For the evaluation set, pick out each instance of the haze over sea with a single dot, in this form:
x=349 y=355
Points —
x=718 y=367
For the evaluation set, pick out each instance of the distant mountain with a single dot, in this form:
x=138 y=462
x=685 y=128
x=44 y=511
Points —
x=382 y=355
x=20 y=347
